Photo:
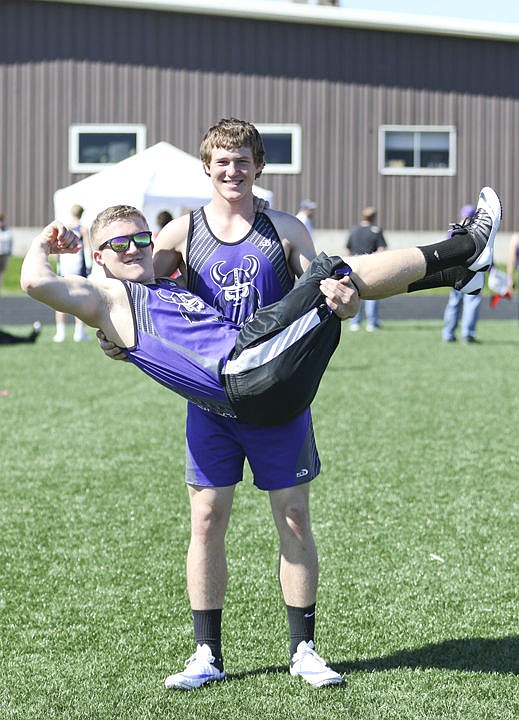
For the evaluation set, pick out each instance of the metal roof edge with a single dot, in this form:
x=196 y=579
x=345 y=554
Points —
x=323 y=15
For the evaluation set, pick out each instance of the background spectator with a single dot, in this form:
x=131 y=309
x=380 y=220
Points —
x=366 y=238
x=461 y=305
x=306 y=214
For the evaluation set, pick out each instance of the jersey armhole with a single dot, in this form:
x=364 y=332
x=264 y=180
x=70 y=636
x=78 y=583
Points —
x=134 y=316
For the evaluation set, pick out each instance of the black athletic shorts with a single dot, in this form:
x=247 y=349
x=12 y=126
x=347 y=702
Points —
x=281 y=355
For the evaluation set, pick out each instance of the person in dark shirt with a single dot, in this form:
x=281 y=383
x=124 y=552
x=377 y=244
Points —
x=366 y=238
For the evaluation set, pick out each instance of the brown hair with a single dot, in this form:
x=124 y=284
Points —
x=369 y=214
x=231 y=133
x=163 y=218
x=77 y=211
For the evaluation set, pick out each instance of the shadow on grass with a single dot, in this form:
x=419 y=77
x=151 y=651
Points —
x=469 y=654
x=493 y=655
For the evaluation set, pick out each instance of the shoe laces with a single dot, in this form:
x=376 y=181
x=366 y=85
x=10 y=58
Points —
x=479 y=217
x=310 y=651
x=200 y=656
x=457 y=228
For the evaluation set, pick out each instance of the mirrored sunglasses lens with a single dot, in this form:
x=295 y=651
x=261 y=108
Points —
x=142 y=239
x=119 y=244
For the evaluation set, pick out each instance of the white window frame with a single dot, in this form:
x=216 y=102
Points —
x=294 y=131
x=75 y=166
x=416 y=130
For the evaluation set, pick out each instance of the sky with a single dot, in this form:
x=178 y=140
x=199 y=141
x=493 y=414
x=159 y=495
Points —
x=501 y=11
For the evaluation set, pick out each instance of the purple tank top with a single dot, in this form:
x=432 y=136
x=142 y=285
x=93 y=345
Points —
x=237 y=278
x=181 y=342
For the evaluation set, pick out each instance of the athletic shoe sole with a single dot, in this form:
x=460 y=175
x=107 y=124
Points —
x=190 y=685
x=490 y=203
x=316 y=683
x=475 y=285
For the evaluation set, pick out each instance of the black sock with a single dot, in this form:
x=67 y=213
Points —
x=443 y=278
x=448 y=253
x=207 y=625
x=8 y=339
x=301 y=624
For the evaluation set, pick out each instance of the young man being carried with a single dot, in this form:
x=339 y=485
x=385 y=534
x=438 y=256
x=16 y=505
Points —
x=191 y=348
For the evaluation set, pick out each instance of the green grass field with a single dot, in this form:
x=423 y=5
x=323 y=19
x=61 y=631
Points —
x=11 y=284
x=415 y=517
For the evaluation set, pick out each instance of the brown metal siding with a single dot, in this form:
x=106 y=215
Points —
x=178 y=73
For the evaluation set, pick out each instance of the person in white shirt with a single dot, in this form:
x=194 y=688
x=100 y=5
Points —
x=306 y=213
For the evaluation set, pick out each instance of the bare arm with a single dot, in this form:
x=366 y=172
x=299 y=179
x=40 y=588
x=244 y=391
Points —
x=296 y=240
x=512 y=260
x=72 y=294
x=169 y=248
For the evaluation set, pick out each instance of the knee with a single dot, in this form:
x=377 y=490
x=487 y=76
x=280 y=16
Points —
x=208 y=523
x=203 y=522
x=297 y=521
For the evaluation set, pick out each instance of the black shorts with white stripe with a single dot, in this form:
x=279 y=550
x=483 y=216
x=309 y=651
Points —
x=281 y=355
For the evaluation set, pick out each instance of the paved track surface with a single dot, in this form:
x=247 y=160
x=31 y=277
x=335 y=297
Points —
x=25 y=310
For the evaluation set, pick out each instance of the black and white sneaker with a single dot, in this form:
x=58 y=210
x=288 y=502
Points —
x=469 y=282
x=482 y=228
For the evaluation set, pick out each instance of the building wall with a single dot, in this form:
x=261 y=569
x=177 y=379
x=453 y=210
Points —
x=179 y=73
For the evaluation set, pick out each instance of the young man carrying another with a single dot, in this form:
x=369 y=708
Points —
x=240 y=260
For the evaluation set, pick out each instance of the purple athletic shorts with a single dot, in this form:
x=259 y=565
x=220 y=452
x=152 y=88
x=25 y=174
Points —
x=279 y=457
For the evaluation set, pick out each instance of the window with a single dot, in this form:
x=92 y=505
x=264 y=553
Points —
x=417 y=150
x=282 y=148
x=93 y=147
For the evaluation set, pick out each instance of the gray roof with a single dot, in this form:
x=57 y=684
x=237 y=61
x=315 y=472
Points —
x=324 y=15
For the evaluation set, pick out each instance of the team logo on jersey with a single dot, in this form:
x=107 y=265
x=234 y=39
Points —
x=237 y=298
x=264 y=243
x=192 y=308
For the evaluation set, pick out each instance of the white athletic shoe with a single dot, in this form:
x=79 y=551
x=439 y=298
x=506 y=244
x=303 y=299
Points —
x=482 y=227
x=312 y=668
x=199 y=670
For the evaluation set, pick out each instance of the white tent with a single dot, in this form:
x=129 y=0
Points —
x=162 y=177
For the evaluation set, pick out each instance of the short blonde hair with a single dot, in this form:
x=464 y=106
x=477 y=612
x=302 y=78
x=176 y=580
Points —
x=115 y=212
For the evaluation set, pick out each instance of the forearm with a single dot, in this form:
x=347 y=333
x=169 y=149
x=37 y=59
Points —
x=511 y=261
x=37 y=272
x=510 y=275
x=72 y=294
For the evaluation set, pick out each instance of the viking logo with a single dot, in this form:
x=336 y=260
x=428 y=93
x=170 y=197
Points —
x=237 y=298
x=191 y=308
